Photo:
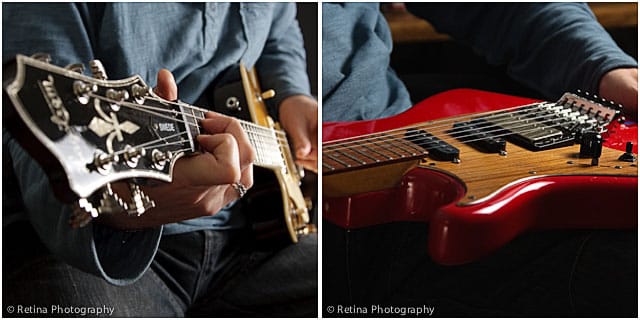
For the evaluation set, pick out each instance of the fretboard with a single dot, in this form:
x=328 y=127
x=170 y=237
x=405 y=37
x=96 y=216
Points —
x=267 y=142
x=372 y=150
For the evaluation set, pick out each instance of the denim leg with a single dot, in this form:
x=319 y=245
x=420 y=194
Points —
x=278 y=283
x=35 y=281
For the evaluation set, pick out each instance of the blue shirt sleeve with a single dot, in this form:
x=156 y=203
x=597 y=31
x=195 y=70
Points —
x=357 y=80
x=551 y=47
x=282 y=64
x=64 y=31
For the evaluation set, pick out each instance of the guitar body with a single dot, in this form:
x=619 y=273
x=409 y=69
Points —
x=278 y=210
x=484 y=200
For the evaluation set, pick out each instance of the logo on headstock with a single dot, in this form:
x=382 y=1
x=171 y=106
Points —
x=109 y=124
x=60 y=115
x=166 y=127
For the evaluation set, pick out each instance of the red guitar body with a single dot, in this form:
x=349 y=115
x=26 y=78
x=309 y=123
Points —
x=462 y=233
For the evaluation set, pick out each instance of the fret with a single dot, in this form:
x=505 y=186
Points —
x=191 y=125
x=324 y=164
x=376 y=151
x=266 y=142
x=346 y=154
x=356 y=149
x=401 y=155
x=410 y=148
x=336 y=159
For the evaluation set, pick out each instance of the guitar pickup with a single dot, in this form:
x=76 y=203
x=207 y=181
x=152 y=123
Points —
x=480 y=135
x=438 y=150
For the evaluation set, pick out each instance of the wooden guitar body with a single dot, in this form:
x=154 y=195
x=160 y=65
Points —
x=276 y=192
x=481 y=201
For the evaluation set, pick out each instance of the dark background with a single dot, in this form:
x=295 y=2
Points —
x=429 y=67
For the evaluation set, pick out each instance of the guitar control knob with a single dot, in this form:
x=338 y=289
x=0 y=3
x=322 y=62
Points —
x=233 y=103
x=97 y=69
x=591 y=146
x=268 y=94
x=628 y=155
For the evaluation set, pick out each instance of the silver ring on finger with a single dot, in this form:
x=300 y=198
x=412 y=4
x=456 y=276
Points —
x=240 y=188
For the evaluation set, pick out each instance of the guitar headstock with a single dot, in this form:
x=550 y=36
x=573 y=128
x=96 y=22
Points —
x=97 y=131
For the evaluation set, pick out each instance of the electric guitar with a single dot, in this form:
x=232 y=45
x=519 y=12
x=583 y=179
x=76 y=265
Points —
x=88 y=132
x=483 y=168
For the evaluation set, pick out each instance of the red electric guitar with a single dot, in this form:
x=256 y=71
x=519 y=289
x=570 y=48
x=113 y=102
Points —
x=482 y=168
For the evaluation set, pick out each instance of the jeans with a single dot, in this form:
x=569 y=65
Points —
x=206 y=273
x=539 y=274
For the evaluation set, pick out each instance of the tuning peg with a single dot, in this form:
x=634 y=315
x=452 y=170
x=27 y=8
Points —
x=139 y=92
x=132 y=155
x=97 y=69
x=160 y=158
x=233 y=103
x=140 y=202
x=75 y=67
x=44 y=57
x=82 y=90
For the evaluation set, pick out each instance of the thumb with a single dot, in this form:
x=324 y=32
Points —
x=300 y=141
x=166 y=86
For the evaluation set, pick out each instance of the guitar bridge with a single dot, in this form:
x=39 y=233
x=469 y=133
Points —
x=539 y=126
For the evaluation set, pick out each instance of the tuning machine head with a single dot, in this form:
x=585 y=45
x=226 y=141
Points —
x=75 y=67
x=44 y=57
x=108 y=201
x=139 y=92
x=97 y=69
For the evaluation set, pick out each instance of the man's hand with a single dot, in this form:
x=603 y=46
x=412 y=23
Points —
x=621 y=86
x=202 y=183
x=299 y=118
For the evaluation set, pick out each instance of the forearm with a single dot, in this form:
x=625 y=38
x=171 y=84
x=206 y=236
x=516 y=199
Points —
x=551 y=47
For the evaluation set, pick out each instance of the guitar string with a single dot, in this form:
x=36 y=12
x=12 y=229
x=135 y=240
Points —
x=259 y=143
x=446 y=123
x=541 y=105
x=268 y=155
x=521 y=109
x=447 y=120
x=428 y=126
x=460 y=138
x=265 y=131
x=392 y=139
x=351 y=140
x=399 y=134
x=202 y=110
x=150 y=144
x=362 y=162
x=268 y=143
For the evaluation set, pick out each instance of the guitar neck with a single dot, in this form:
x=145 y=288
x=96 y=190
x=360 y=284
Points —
x=265 y=141
x=536 y=126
